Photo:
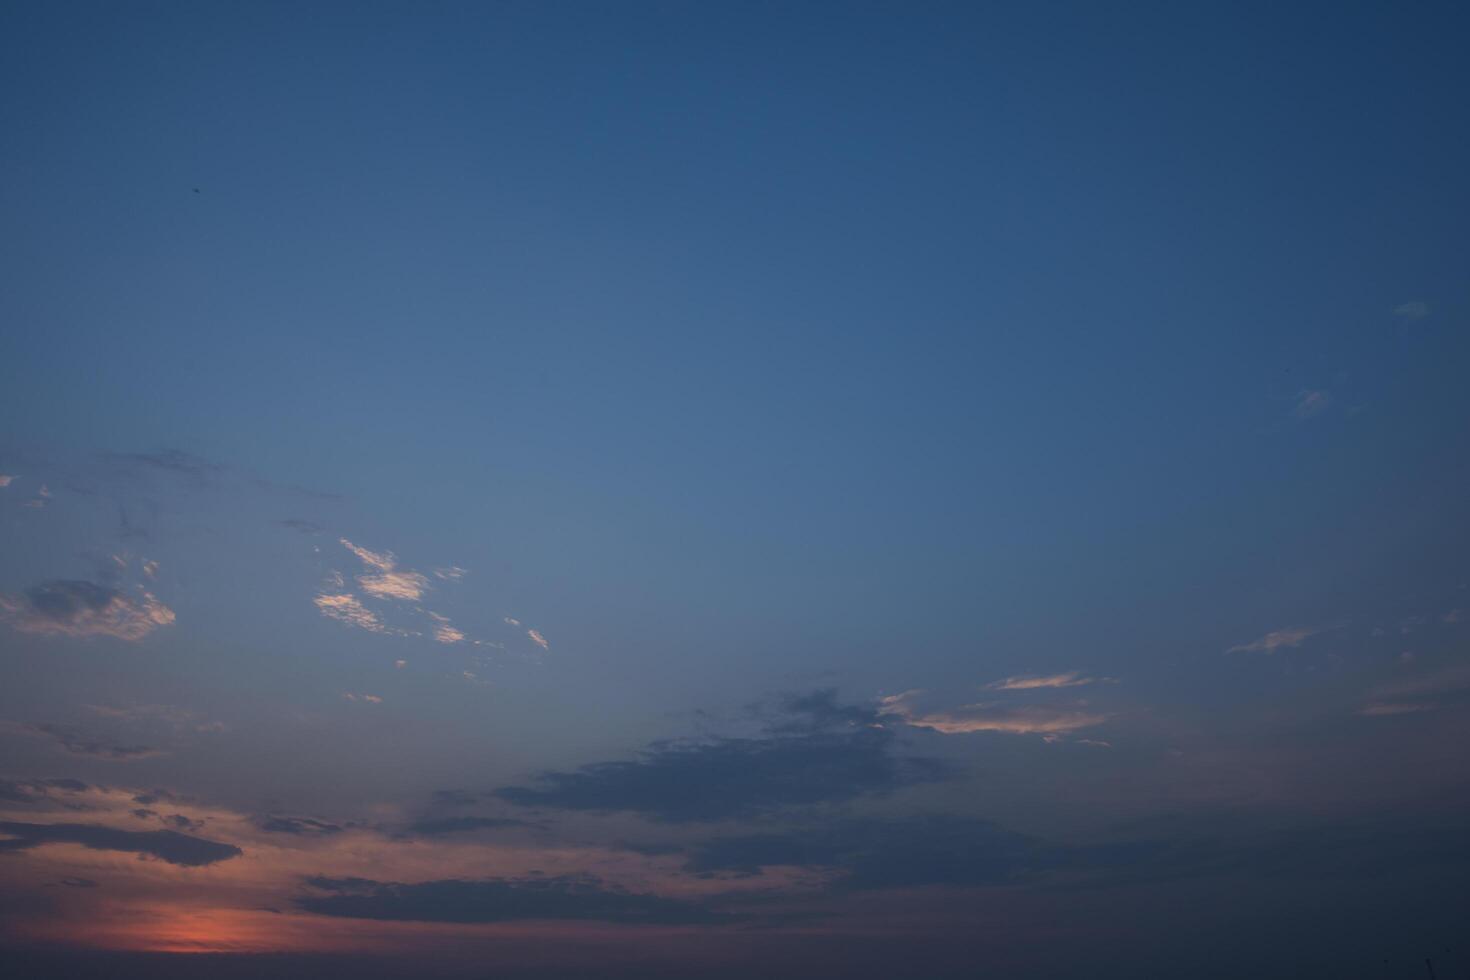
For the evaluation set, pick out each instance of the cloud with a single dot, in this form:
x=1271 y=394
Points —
x=573 y=896
x=79 y=608
x=1311 y=402
x=439 y=826
x=1414 y=309
x=166 y=845
x=1275 y=640
x=170 y=460
x=1394 y=708
x=538 y=639
x=874 y=854
x=383 y=561
x=78 y=744
x=347 y=609
x=443 y=631
x=300 y=826
x=991 y=716
x=452 y=574
x=1028 y=682
x=305 y=527
x=822 y=752
x=406 y=586
x=31 y=790
x=5 y=480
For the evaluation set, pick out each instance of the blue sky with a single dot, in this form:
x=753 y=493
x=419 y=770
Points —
x=1035 y=428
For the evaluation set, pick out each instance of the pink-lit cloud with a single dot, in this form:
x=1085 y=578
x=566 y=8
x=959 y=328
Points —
x=84 y=609
x=1276 y=640
x=990 y=716
x=1029 y=682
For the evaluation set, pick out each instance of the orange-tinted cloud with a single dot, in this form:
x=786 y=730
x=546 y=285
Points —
x=80 y=608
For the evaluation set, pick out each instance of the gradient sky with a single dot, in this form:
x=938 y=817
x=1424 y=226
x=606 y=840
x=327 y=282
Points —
x=642 y=489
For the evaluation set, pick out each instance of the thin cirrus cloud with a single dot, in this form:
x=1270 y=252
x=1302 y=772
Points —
x=345 y=608
x=388 y=582
x=1414 y=309
x=81 y=609
x=443 y=631
x=1380 y=709
x=1277 y=639
x=578 y=897
x=1029 y=682
x=77 y=743
x=991 y=716
x=1311 y=402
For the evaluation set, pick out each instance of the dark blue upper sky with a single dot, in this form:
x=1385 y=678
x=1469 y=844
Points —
x=692 y=356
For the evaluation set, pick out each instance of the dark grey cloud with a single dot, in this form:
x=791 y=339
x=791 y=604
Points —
x=13 y=792
x=870 y=854
x=159 y=796
x=26 y=791
x=77 y=883
x=438 y=826
x=166 y=845
x=79 y=744
x=454 y=797
x=580 y=897
x=898 y=853
x=816 y=751
x=300 y=826
x=65 y=600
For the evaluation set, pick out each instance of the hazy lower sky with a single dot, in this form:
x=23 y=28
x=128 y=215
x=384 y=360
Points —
x=800 y=490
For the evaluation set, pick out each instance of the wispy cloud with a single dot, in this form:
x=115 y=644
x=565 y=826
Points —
x=1028 y=682
x=1311 y=402
x=1395 y=708
x=1275 y=640
x=407 y=586
x=452 y=574
x=443 y=631
x=346 y=608
x=538 y=639
x=380 y=560
x=578 y=896
x=41 y=499
x=1414 y=309
x=5 y=480
x=80 y=608
x=86 y=745
x=991 y=716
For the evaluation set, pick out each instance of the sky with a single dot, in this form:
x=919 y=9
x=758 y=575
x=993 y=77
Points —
x=812 y=490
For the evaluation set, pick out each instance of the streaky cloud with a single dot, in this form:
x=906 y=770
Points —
x=1276 y=640
x=573 y=896
x=991 y=716
x=1028 y=682
x=166 y=845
